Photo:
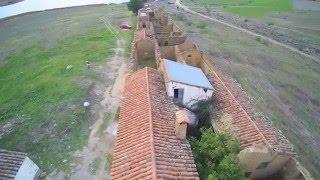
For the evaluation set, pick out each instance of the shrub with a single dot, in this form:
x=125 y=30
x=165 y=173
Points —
x=178 y=17
x=202 y=25
x=189 y=23
x=215 y=155
x=258 y=38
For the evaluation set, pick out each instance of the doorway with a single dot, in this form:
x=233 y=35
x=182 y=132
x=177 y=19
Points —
x=178 y=96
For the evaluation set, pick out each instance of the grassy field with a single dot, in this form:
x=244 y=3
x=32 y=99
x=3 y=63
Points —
x=247 y=8
x=41 y=99
x=284 y=86
x=276 y=15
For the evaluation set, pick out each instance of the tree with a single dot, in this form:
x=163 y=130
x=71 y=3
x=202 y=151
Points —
x=215 y=155
x=135 y=5
x=205 y=111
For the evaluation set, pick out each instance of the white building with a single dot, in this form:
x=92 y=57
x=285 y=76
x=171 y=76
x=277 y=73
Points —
x=185 y=84
x=17 y=166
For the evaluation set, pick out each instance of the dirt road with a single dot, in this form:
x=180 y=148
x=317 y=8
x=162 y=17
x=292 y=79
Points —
x=185 y=8
x=94 y=160
x=94 y=163
x=100 y=144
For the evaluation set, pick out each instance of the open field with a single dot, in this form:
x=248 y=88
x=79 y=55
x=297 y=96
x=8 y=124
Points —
x=44 y=80
x=298 y=28
x=247 y=8
x=282 y=85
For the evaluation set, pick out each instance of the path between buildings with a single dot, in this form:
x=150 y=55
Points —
x=95 y=156
x=101 y=143
x=185 y=8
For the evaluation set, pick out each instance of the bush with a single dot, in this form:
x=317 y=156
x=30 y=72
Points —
x=216 y=156
x=135 y=5
x=189 y=23
x=202 y=25
x=258 y=38
x=178 y=17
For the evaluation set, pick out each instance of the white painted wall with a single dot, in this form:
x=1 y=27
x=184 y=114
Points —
x=190 y=92
x=28 y=170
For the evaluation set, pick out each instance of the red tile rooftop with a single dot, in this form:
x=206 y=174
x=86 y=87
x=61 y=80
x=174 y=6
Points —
x=146 y=145
x=248 y=129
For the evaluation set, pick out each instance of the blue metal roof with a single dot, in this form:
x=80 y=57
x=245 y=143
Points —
x=186 y=74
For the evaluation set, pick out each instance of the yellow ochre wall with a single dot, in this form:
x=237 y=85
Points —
x=253 y=156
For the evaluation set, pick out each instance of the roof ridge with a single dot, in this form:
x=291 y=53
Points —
x=153 y=156
x=246 y=114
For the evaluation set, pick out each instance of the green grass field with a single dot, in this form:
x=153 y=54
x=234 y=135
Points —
x=246 y=8
x=39 y=95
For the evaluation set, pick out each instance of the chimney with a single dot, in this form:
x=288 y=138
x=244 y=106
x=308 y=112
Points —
x=181 y=124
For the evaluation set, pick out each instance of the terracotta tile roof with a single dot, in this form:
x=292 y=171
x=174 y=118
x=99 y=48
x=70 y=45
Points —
x=146 y=145
x=10 y=162
x=248 y=129
x=141 y=34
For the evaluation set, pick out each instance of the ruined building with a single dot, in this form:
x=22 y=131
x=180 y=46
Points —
x=149 y=138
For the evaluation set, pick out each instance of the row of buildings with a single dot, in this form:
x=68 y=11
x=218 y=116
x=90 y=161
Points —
x=151 y=140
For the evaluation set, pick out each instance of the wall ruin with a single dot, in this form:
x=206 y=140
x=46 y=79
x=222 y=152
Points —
x=158 y=37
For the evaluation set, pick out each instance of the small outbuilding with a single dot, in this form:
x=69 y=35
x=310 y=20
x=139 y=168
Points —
x=185 y=84
x=16 y=165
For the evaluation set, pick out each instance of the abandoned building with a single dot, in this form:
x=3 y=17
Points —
x=150 y=144
x=166 y=31
x=16 y=165
x=152 y=130
x=185 y=84
x=264 y=150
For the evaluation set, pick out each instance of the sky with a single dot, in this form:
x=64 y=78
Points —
x=39 y=5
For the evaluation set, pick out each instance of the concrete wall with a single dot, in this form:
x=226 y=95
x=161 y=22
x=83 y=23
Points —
x=168 y=52
x=256 y=157
x=293 y=170
x=193 y=58
x=190 y=53
x=190 y=94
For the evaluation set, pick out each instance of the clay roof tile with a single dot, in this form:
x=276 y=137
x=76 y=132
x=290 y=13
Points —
x=146 y=145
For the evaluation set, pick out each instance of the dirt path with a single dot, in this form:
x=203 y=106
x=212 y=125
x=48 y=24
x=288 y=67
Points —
x=94 y=158
x=185 y=8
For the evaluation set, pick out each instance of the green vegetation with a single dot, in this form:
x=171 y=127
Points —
x=44 y=80
x=215 y=155
x=259 y=8
x=151 y=62
x=109 y=158
x=247 y=8
x=135 y=5
x=108 y=118
x=36 y=85
x=93 y=167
